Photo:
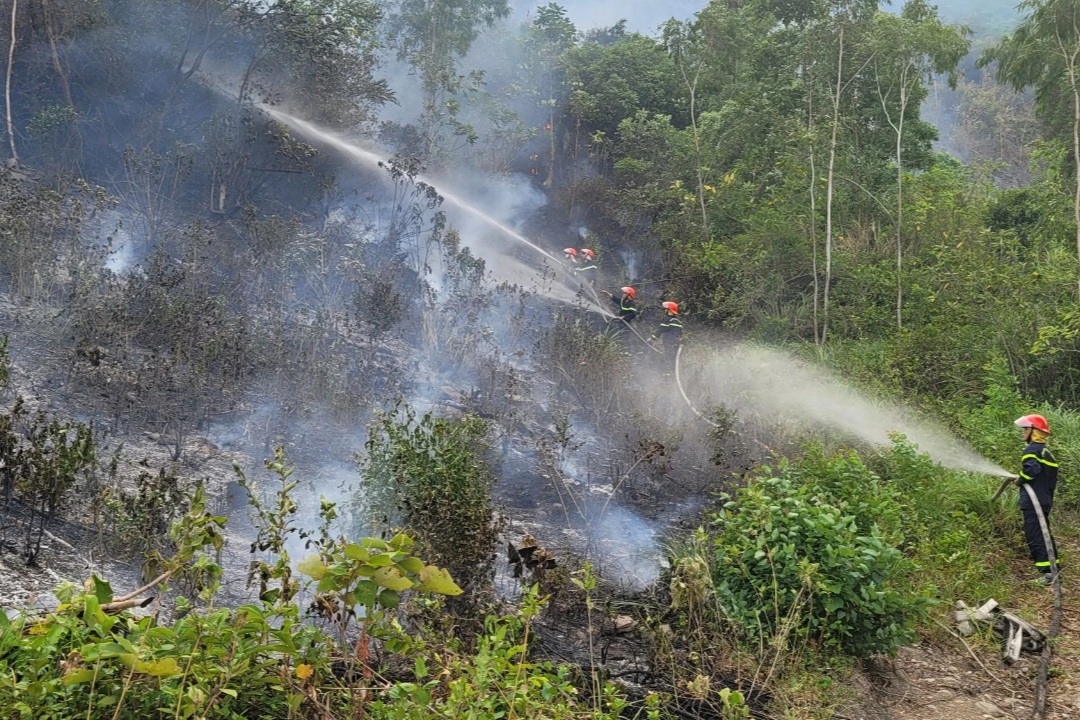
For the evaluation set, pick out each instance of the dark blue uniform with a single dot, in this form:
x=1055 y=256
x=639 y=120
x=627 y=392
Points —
x=588 y=272
x=627 y=309
x=1040 y=471
x=671 y=332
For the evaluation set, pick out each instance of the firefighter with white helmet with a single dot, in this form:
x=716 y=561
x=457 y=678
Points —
x=587 y=269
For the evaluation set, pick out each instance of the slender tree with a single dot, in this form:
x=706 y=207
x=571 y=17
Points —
x=547 y=38
x=840 y=24
x=7 y=81
x=433 y=36
x=909 y=49
x=681 y=44
x=830 y=183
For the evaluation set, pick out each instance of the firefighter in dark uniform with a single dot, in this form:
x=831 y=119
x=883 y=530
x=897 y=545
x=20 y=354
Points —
x=1040 y=472
x=587 y=271
x=627 y=307
x=670 y=330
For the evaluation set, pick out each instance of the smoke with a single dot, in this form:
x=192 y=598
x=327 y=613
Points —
x=121 y=253
x=757 y=381
x=623 y=544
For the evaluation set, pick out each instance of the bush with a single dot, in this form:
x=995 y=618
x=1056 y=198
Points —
x=957 y=539
x=430 y=475
x=810 y=554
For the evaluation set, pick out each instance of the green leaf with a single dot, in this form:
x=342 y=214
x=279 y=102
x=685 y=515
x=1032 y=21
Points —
x=401 y=541
x=380 y=560
x=162 y=667
x=391 y=579
x=437 y=580
x=313 y=567
x=411 y=564
x=230 y=692
x=101 y=651
x=79 y=676
x=355 y=552
x=102 y=590
x=293 y=701
x=388 y=599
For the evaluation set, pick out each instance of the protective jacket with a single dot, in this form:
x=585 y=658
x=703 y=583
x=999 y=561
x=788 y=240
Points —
x=627 y=309
x=671 y=331
x=1040 y=471
x=587 y=272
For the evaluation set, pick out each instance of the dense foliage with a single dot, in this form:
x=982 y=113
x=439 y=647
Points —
x=869 y=186
x=812 y=552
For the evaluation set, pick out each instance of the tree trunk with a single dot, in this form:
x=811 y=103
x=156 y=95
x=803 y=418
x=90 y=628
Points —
x=549 y=181
x=1069 y=55
x=813 y=200
x=7 y=83
x=692 y=89
x=900 y=210
x=829 y=191
x=65 y=86
x=1076 y=161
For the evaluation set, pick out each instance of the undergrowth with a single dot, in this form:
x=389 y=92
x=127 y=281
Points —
x=829 y=559
x=98 y=655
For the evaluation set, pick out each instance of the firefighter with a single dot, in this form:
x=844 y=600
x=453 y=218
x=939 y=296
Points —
x=627 y=307
x=587 y=271
x=670 y=330
x=1040 y=472
x=570 y=256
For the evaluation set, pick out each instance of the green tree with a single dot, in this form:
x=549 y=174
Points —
x=613 y=80
x=547 y=39
x=1044 y=53
x=909 y=49
x=433 y=36
x=680 y=41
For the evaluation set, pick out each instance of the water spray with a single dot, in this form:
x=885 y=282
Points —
x=371 y=158
x=820 y=400
x=760 y=381
x=368 y=157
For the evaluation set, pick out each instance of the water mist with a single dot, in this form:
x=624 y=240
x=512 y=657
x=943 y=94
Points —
x=757 y=381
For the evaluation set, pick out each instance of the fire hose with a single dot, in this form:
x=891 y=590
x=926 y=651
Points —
x=1039 y=711
x=678 y=381
x=1055 y=617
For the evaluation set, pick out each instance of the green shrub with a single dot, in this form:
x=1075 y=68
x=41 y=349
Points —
x=810 y=554
x=429 y=475
x=259 y=660
x=957 y=539
x=498 y=681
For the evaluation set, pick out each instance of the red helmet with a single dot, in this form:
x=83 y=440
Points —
x=1033 y=421
x=671 y=307
x=570 y=251
x=630 y=291
x=588 y=253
